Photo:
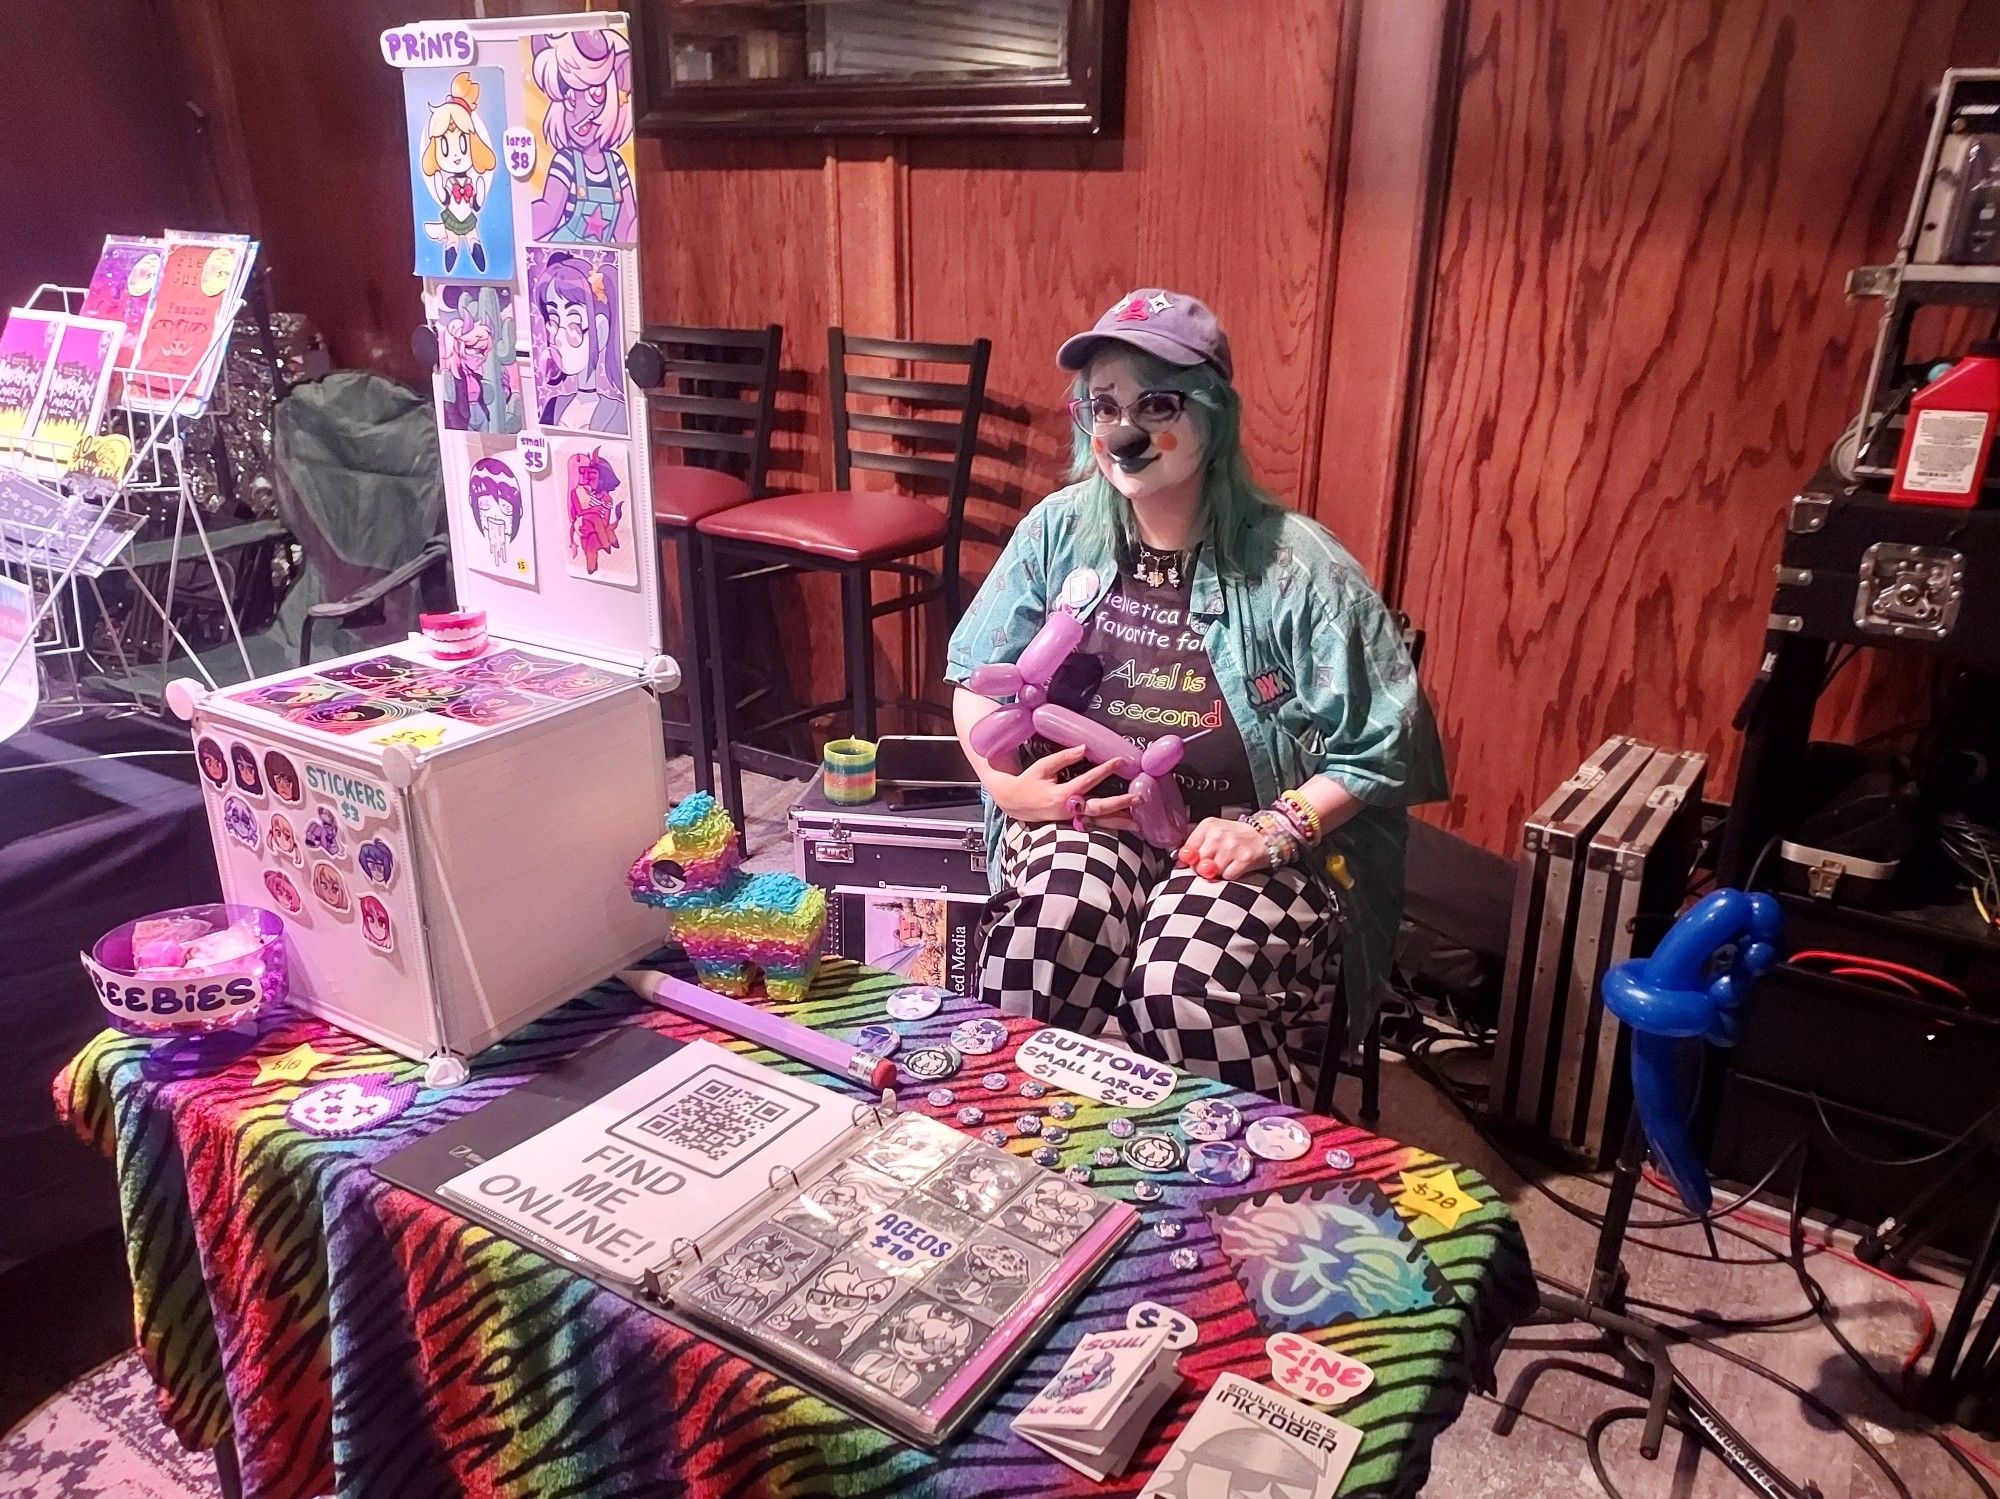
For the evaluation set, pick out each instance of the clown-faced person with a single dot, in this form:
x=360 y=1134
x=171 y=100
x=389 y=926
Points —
x=1212 y=612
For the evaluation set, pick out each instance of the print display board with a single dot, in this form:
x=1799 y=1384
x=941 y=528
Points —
x=447 y=839
x=525 y=232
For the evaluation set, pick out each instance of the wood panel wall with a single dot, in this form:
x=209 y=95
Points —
x=1638 y=348
x=1561 y=430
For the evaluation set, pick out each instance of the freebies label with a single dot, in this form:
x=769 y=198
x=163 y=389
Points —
x=1096 y=1069
x=202 y=1002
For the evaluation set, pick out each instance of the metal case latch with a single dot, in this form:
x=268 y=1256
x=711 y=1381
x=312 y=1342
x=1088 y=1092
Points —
x=1909 y=591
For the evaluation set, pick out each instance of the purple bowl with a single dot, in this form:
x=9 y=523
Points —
x=196 y=1001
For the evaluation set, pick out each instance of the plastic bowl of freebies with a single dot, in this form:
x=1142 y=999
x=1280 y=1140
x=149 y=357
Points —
x=197 y=979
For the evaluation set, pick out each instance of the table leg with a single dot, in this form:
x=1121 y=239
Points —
x=227 y=1473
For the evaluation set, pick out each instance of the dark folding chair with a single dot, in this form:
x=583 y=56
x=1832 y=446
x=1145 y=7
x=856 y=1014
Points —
x=1332 y=1057
x=857 y=533
x=711 y=398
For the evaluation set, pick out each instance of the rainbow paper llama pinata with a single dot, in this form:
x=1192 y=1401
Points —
x=734 y=925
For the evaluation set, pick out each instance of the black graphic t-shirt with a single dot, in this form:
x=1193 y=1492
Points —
x=1154 y=678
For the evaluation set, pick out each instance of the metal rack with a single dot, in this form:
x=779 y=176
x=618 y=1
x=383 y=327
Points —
x=64 y=566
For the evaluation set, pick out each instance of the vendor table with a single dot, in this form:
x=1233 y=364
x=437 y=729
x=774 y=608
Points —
x=356 y=1338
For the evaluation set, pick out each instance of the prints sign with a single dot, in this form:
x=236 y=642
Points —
x=1096 y=1069
x=1301 y=1367
x=427 y=44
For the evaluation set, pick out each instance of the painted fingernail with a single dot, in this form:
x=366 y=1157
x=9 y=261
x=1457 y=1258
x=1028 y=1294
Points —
x=1209 y=869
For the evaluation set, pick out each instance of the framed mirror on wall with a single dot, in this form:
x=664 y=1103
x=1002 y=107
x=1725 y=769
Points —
x=879 y=67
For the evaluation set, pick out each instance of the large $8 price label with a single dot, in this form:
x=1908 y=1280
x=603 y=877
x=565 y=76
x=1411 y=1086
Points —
x=1096 y=1069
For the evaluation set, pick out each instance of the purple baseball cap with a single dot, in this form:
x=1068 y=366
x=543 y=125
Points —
x=1179 y=329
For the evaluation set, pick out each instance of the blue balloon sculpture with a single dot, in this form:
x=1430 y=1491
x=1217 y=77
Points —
x=1678 y=994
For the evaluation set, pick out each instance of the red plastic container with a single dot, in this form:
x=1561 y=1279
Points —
x=1949 y=437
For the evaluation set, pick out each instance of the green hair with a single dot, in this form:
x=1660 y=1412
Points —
x=1230 y=498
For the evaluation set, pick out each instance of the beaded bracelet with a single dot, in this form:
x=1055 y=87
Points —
x=1298 y=825
x=1281 y=845
x=1311 y=824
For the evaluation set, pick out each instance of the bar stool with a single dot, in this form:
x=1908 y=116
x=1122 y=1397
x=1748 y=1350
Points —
x=856 y=533
x=717 y=410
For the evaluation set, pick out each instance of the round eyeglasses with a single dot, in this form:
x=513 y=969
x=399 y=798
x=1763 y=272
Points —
x=1150 y=411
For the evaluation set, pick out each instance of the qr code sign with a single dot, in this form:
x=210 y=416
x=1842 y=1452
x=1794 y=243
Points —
x=714 y=1121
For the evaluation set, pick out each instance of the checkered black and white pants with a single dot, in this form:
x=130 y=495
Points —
x=1211 y=976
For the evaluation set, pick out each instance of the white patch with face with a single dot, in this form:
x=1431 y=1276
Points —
x=1170 y=460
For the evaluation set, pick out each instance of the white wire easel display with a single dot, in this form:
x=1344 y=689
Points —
x=156 y=466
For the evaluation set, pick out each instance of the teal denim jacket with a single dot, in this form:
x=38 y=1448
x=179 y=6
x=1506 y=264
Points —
x=1314 y=673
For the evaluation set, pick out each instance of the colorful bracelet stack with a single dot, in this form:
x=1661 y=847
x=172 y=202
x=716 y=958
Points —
x=1303 y=816
x=1282 y=843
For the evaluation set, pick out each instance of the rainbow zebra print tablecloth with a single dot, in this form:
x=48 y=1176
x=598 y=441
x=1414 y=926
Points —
x=362 y=1340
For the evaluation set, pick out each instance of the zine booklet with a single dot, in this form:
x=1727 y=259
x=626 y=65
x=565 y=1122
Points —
x=1093 y=1414
x=123 y=284
x=174 y=370
x=27 y=349
x=79 y=379
x=1246 y=1439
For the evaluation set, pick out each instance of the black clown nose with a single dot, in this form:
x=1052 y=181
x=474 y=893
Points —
x=1130 y=444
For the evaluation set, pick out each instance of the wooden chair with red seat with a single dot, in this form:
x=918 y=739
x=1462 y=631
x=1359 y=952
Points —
x=711 y=396
x=857 y=533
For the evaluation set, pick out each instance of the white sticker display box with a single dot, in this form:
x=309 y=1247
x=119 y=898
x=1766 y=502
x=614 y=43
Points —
x=453 y=866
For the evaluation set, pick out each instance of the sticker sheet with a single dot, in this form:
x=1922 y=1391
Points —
x=463 y=206
x=1320 y=1254
x=579 y=121
x=900 y=1262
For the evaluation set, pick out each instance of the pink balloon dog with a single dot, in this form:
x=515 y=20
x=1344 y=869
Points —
x=1158 y=809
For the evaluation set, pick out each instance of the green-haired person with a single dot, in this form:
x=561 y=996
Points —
x=1212 y=612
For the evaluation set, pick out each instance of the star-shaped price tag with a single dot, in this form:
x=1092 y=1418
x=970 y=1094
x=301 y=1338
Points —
x=1436 y=1194
x=293 y=1066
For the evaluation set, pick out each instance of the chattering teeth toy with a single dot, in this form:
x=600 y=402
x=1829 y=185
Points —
x=1158 y=810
